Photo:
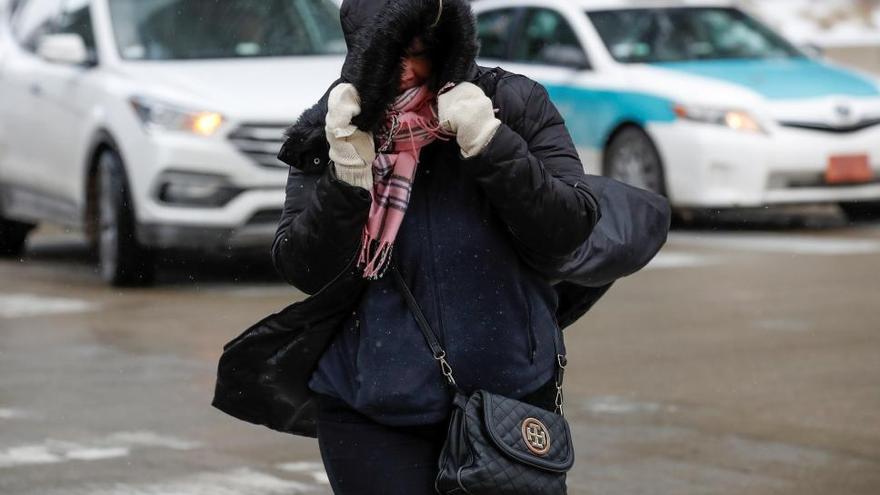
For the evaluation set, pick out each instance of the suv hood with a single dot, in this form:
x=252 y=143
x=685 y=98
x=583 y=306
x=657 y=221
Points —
x=257 y=89
x=793 y=90
x=781 y=79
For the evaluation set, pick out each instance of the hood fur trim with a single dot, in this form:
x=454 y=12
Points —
x=377 y=33
x=374 y=62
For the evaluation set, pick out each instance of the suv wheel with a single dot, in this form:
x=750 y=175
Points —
x=12 y=237
x=123 y=261
x=632 y=158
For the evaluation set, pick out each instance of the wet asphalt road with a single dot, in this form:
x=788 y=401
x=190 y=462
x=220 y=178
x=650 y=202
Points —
x=742 y=361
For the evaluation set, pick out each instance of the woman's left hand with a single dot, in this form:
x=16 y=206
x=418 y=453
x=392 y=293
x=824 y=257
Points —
x=467 y=112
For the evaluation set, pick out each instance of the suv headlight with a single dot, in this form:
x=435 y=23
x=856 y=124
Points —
x=155 y=115
x=737 y=120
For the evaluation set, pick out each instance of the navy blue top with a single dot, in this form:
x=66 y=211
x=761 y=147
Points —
x=494 y=314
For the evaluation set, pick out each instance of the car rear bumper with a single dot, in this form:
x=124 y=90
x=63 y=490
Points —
x=711 y=166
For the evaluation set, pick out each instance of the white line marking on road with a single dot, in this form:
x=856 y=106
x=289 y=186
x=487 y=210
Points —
x=24 y=455
x=299 y=467
x=321 y=478
x=240 y=481
x=151 y=439
x=10 y=413
x=97 y=453
x=314 y=469
x=778 y=243
x=615 y=405
x=675 y=259
x=112 y=446
x=25 y=305
x=55 y=451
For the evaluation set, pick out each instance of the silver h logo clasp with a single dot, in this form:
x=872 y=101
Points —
x=536 y=436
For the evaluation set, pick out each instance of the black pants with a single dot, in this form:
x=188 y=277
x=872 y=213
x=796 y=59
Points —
x=363 y=457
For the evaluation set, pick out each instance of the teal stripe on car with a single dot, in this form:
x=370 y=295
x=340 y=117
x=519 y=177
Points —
x=592 y=114
x=781 y=79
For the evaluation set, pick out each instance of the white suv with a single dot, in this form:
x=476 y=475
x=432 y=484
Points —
x=153 y=124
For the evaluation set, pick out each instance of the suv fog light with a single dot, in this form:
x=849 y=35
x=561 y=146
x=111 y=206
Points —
x=191 y=189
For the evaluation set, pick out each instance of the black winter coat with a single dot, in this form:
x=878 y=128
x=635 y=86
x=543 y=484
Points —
x=531 y=190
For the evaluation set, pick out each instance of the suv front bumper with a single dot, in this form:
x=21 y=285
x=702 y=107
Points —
x=711 y=166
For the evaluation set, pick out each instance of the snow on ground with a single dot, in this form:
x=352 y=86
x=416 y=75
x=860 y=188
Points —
x=120 y=444
x=27 y=305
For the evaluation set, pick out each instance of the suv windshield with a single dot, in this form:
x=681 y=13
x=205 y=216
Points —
x=202 y=29
x=686 y=33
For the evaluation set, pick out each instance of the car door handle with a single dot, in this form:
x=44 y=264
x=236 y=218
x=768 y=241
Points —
x=36 y=89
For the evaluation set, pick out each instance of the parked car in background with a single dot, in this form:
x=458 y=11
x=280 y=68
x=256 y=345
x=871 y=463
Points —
x=154 y=124
x=695 y=100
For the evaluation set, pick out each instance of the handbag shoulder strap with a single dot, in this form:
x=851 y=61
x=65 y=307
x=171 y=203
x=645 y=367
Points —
x=430 y=337
x=437 y=348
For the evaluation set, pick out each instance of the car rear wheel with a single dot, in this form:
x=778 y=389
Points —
x=631 y=157
x=122 y=260
x=12 y=237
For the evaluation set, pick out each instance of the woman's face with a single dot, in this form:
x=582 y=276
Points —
x=416 y=65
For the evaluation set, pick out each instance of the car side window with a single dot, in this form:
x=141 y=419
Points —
x=547 y=38
x=33 y=20
x=494 y=30
x=76 y=18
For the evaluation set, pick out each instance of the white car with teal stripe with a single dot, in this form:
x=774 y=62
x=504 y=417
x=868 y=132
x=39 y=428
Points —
x=694 y=99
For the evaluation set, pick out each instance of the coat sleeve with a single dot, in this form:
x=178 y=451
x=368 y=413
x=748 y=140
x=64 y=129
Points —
x=320 y=229
x=533 y=177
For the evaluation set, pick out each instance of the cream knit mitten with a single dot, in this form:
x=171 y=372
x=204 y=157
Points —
x=351 y=149
x=466 y=111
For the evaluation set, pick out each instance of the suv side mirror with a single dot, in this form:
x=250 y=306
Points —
x=565 y=55
x=64 y=48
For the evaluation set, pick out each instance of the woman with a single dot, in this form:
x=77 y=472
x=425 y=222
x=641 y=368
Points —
x=408 y=161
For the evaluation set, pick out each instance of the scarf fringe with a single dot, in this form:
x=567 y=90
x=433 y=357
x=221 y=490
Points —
x=373 y=260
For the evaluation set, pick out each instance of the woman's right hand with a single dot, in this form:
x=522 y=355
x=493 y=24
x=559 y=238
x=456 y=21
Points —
x=351 y=149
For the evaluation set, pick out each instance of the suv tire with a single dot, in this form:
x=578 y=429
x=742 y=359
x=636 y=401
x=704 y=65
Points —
x=121 y=258
x=631 y=157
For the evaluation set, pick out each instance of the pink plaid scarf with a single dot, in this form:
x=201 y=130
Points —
x=410 y=123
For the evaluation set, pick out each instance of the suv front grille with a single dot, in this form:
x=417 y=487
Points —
x=260 y=142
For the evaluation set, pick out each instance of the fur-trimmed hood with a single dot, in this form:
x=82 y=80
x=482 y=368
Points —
x=377 y=32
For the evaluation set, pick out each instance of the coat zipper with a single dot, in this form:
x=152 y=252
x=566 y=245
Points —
x=533 y=344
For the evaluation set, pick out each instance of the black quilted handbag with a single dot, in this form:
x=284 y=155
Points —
x=497 y=445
